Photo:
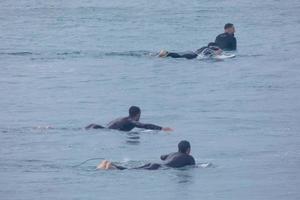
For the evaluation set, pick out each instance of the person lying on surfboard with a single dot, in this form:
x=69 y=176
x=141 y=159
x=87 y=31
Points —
x=179 y=159
x=207 y=51
x=129 y=123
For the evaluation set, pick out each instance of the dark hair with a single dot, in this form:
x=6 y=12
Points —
x=134 y=111
x=183 y=146
x=228 y=25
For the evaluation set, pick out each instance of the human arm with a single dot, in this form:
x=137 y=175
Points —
x=164 y=157
x=192 y=160
x=146 y=126
x=217 y=39
x=150 y=126
x=233 y=43
x=199 y=51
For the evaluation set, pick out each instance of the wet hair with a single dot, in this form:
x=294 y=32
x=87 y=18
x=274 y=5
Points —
x=228 y=25
x=183 y=146
x=134 y=111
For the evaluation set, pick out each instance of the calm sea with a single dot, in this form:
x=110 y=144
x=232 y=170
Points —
x=65 y=64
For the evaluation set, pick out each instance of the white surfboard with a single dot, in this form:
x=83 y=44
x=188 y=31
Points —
x=217 y=57
x=224 y=56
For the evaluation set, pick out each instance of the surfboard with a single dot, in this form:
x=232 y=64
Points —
x=217 y=57
x=224 y=56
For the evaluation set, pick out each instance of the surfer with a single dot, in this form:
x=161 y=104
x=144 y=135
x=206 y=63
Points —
x=226 y=40
x=207 y=51
x=129 y=123
x=181 y=158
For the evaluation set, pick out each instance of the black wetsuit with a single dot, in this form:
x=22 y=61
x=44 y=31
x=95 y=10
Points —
x=126 y=124
x=226 y=41
x=174 y=160
x=177 y=160
x=205 y=51
x=187 y=55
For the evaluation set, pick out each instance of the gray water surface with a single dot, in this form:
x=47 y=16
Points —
x=67 y=64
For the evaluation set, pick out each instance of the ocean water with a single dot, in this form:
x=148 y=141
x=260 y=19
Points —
x=65 y=64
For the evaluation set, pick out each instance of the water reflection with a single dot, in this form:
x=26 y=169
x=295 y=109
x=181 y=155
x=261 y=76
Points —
x=132 y=138
x=184 y=175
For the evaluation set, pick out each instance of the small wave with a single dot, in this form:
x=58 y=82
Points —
x=250 y=55
x=38 y=129
x=43 y=128
x=34 y=161
x=205 y=165
x=21 y=53
x=77 y=53
x=69 y=53
x=133 y=137
x=84 y=162
x=49 y=127
x=133 y=142
x=130 y=53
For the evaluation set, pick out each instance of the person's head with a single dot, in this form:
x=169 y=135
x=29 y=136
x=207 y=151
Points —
x=184 y=147
x=214 y=46
x=229 y=28
x=135 y=112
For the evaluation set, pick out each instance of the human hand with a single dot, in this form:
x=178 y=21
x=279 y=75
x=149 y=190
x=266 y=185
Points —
x=167 y=129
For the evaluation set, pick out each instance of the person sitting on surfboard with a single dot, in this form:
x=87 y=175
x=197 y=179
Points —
x=207 y=51
x=178 y=159
x=226 y=40
x=129 y=123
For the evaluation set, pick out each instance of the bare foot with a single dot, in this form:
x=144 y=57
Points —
x=163 y=53
x=167 y=129
x=103 y=164
x=109 y=166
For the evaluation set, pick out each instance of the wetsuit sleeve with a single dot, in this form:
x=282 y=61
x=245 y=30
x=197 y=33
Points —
x=146 y=126
x=164 y=157
x=192 y=161
x=234 y=43
x=198 y=51
x=217 y=39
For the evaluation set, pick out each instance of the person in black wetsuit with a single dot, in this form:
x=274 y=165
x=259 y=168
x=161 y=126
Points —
x=207 y=51
x=226 y=40
x=129 y=123
x=178 y=159
x=187 y=55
